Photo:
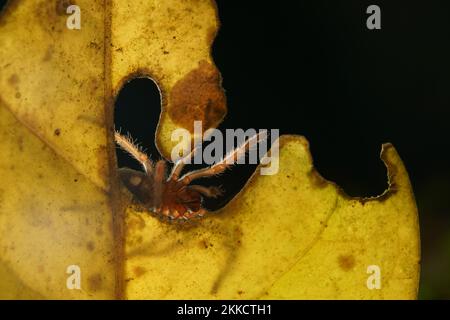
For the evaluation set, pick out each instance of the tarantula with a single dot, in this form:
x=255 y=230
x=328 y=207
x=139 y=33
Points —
x=173 y=196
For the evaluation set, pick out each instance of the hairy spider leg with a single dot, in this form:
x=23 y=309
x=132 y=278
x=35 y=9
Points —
x=226 y=162
x=127 y=144
x=179 y=165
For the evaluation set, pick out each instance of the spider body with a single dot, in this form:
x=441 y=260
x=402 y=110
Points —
x=170 y=195
x=174 y=199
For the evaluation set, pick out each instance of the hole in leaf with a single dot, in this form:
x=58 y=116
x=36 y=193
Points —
x=3 y=4
x=137 y=112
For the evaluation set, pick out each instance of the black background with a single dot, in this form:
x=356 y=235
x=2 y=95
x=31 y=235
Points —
x=313 y=68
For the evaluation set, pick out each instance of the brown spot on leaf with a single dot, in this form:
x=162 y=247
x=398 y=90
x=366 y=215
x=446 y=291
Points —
x=51 y=16
x=90 y=246
x=198 y=97
x=94 y=45
x=136 y=223
x=14 y=79
x=48 y=54
x=57 y=132
x=95 y=282
x=139 y=271
x=139 y=239
x=238 y=232
x=62 y=5
x=346 y=262
x=18 y=95
x=204 y=244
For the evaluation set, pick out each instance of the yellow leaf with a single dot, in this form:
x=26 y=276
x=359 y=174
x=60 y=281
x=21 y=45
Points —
x=170 y=41
x=59 y=185
x=55 y=165
x=292 y=235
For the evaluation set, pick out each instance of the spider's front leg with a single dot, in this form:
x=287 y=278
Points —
x=229 y=160
x=179 y=165
x=138 y=183
x=127 y=144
